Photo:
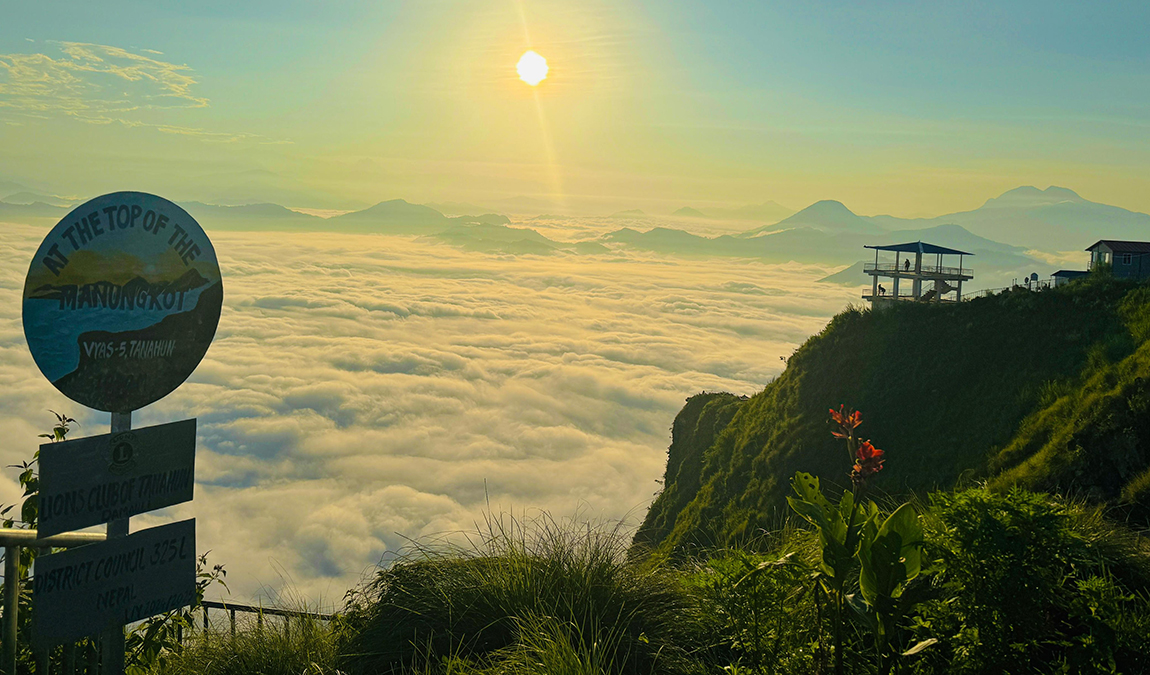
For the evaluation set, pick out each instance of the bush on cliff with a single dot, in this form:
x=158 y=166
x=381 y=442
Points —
x=523 y=594
x=1019 y=582
x=1043 y=388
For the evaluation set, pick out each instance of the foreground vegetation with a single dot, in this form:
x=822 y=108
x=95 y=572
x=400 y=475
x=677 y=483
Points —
x=980 y=580
x=1012 y=582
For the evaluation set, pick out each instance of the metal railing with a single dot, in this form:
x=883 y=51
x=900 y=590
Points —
x=906 y=298
x=232 y=607
x=925 y=269
x=13 y=540
x=1040 y=285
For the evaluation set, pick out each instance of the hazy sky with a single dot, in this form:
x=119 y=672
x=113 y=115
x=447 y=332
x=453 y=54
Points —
x=904 y=108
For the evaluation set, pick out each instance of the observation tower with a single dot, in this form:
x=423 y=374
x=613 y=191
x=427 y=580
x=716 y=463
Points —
x=921 y=264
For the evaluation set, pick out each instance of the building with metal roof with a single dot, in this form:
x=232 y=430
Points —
x=929 y=280
x=1066 y=276
x=1126 y=259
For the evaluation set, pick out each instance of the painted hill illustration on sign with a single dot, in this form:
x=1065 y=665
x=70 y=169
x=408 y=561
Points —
x=143 y=363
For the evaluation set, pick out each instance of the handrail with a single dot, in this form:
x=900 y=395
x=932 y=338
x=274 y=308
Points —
x=30 y=538
x=252 y=609
x=13 y=540
x=1040 y=285
x=905 y=298
x=924 y=269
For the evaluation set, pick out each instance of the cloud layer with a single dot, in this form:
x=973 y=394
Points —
x=364 y=390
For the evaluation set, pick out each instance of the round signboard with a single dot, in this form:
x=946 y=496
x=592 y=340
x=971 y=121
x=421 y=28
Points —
x=122 y=300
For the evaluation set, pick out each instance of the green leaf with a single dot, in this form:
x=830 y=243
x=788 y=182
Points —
x=889 y=557
x=846 y=505
x=862 y=610
x=810 y=512
x=832 y=526
x=904 y=521
x=807 y=488
x=920 y=646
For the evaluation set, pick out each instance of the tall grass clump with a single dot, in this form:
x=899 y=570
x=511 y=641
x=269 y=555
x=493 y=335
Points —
x=304 y=646
x=534 y=596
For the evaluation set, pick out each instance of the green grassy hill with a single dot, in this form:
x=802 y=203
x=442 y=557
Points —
x=1046 y=390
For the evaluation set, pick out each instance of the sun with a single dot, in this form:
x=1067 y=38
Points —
x=532 y=68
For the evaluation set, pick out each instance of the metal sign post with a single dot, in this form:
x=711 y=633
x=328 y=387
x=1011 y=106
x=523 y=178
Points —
x=113 y=638
x=121 y=303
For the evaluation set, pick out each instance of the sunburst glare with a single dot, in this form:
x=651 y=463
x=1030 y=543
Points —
x=532 y=68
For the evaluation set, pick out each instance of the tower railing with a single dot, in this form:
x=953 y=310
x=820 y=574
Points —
x=925 y=269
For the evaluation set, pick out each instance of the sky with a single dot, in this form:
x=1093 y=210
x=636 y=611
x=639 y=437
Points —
x=905 y=108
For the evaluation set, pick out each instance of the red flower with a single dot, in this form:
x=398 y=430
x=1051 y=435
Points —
x=847 y=421
x=867 y=463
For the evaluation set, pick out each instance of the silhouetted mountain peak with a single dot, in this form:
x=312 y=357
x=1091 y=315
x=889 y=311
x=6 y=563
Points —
x=632 y=213
x=1028 y=195
x=827 y=215
x=393 y=205
x=828 y=207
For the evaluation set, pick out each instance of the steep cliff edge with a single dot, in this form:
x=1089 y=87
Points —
x=1050 y=390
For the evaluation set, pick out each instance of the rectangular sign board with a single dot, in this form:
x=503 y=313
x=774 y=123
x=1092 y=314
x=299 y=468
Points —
x=82 y=591
x=92 y=480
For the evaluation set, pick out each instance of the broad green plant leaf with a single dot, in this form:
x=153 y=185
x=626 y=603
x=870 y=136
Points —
x=890 y=556
x=904 y=521
x=832 y=526
x=920 y=646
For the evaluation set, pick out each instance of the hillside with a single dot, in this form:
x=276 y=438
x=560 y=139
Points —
x=1046 y=390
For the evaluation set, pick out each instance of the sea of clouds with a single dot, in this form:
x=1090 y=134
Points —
x=365 y=391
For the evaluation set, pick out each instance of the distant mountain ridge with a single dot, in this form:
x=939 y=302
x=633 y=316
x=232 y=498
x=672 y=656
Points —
x=1056 y=218
x=1021 y=219
x=632 y=213
x=995 y=263
x=34 y=210
x=27 y=197
x=1028 y=195
x=200 y=210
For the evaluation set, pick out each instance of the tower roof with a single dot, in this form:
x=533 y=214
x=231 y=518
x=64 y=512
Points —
x=920 y=247
x=1117 y=246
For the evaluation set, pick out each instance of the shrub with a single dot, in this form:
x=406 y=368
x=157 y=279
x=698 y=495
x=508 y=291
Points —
x=518 y=589
x=767 y=605
x=1032 y=584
